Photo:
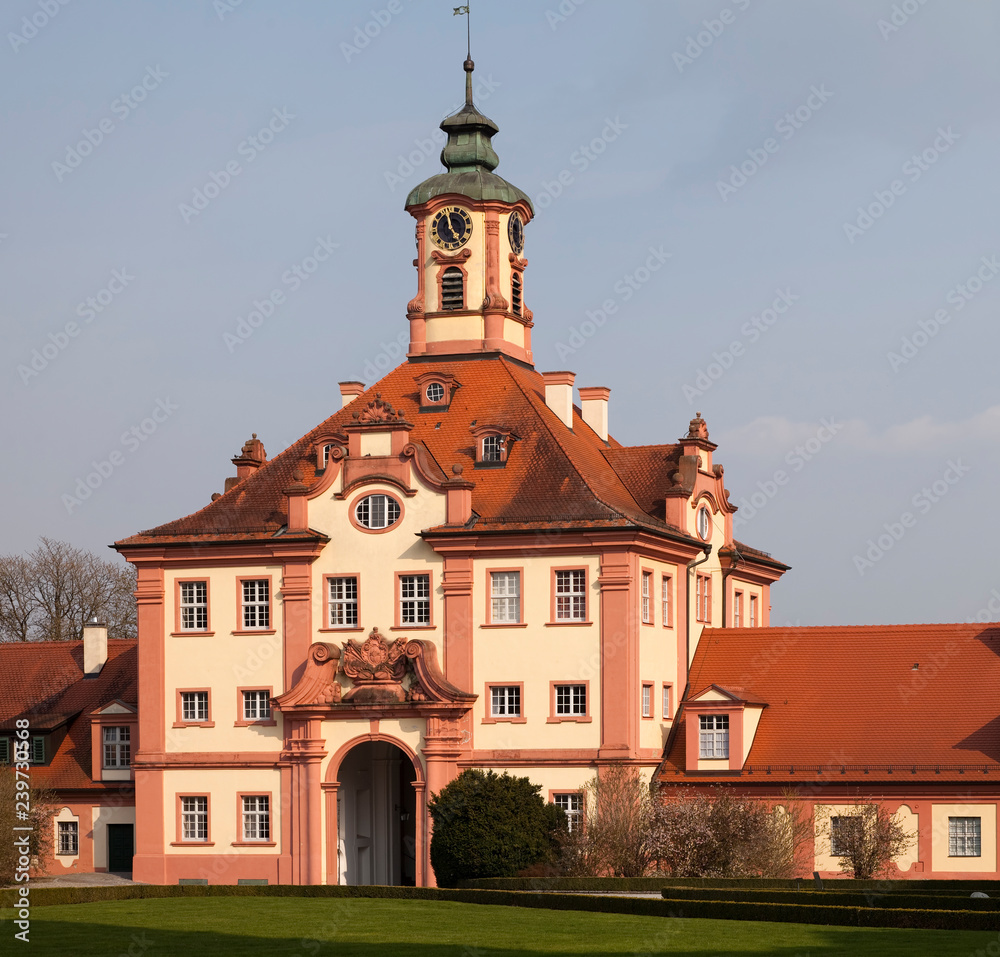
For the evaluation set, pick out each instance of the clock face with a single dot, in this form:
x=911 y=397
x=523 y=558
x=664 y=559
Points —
x=515 y=232
x=451 y=227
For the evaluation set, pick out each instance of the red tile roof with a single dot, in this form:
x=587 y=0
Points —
x=553 y=475
x=849 y=697
x=43 y=681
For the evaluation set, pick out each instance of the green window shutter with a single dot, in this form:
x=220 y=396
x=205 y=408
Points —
x=38 y=750
x=4 y=750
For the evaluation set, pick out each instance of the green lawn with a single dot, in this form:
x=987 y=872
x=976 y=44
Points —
x=283 y=927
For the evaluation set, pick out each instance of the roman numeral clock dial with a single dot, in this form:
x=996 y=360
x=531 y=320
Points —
x=451 y=227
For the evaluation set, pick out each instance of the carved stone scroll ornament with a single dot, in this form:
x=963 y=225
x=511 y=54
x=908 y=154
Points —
x=376 y=667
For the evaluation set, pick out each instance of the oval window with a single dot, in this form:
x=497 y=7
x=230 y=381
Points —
x=377 y=511
x=704 y=523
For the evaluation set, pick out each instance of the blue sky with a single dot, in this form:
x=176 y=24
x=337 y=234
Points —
x=818 y=181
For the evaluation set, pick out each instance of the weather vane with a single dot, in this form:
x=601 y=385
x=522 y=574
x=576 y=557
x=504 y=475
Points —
x=460 y=12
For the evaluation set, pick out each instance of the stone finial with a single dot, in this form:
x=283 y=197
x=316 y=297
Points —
x=697 y=429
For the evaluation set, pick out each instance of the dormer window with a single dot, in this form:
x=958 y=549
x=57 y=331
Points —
x=515 y=293
x=492 y=446
x=452 y=289
x=435 y=390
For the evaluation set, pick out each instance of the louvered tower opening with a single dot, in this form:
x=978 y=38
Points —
x=515 y=293
x=452 y=289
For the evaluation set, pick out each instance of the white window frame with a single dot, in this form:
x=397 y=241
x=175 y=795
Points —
x=256 y=604
x=256 y=824
x=68 y=838
x=571 y=803
x=753 y=611
x=379 y=511
x=505 y=701
x=666 y=600
x=117 y=741
x=415 y=599
x=713 y=736
x=194 y=706
x=737 y=609
x=194 y=606
x=256 y=705
x=647 y=700
x=839 y=823
x=492 y=448
x=194 y=819
x=571 y=594
x=342 y=601
x=505 y=597
x=965 y=837
x=703 y=598
x=571 y=700
x=647 y=608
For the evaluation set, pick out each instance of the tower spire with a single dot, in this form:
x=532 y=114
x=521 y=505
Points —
x=469 y=66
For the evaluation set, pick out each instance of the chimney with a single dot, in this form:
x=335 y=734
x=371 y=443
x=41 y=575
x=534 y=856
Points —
x=559 y=394
x=594 y=408
x=95 y=647
x=349 y=391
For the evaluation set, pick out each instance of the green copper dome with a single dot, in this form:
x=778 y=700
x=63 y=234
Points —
x=469 y=158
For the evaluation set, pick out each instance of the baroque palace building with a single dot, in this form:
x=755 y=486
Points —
x=358 y=619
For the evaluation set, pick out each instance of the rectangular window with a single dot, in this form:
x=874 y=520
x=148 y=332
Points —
x=505 y=597
x=753 y=611
x=505 y=701
x=344 y=602
x=666 y=702
x=572 y=804
x=4 y=750
x=667 y=591
x=714 y=736
x=738 y=610
x=117 y=747
x=571 y=699
x=647 y=608
x=571 y=595
x=703 y=598
x=964 y=837
x=194 y=819
x=256 y=603
x=256 y=706
x=257 y=818
x=194 y=606
x=647 y=701
x=841 y=832
x=194 y=705
x=38 y=749
x=69 y=837
x=414 y=599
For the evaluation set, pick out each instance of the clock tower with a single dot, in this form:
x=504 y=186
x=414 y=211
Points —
x=470 y=245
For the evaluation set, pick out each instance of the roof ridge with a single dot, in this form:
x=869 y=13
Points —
x=534 y=399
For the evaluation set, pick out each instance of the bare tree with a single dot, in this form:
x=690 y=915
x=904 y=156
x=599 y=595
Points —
x=614 y=837
x=722 y=834
x=49 y=594
x=866 y=839
x=42 y=806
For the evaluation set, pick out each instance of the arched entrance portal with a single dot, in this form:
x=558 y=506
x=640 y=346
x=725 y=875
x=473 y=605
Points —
x=376 y=816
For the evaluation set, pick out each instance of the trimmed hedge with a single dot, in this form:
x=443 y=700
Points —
x=719 y=910
x=892 y=899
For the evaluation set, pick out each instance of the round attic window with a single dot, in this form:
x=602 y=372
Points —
x=377 y=511
x=435 y=392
